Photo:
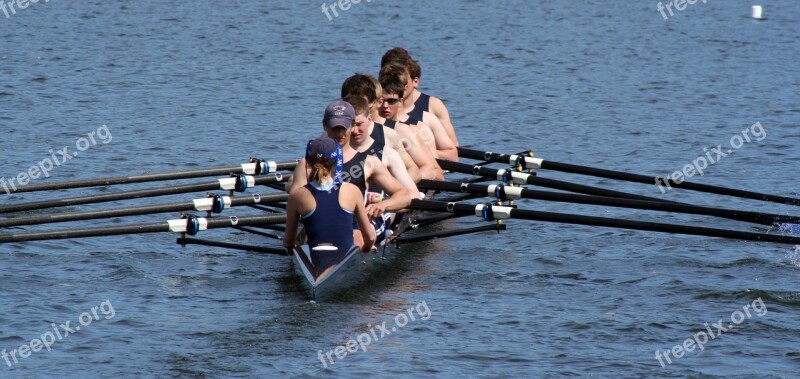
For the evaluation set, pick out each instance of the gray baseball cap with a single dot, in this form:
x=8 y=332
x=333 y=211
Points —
x=339 y=113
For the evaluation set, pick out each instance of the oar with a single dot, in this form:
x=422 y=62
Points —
x=255 y=167
x=619 y=175
x=233 y=183
x=184 y=225
x=513 y=193
x=210 y=204
x=490 y=212
x=523 y=178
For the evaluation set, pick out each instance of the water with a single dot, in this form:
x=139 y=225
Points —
x=607 y=84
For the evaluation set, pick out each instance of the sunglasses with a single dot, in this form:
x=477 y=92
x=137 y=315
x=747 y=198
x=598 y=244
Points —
x=390 y=101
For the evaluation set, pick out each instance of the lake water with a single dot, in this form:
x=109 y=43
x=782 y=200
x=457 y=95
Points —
x=182 y=85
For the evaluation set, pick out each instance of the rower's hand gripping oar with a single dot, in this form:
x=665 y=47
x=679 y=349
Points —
x=531 y=162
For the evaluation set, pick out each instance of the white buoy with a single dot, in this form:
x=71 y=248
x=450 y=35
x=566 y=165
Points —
x=756 y=12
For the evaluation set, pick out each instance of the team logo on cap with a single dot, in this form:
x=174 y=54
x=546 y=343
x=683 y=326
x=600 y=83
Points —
x=339 y=110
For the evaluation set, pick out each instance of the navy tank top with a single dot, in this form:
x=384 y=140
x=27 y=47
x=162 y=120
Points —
x=353 y=171
x=378 y=134
x=390 y=123
x=327 y=227
x=421 y=105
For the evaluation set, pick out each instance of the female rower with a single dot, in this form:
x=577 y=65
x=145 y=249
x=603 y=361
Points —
x=327 y=209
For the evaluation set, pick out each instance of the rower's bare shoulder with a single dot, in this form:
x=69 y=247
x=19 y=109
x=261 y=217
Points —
x=350 y=191
x=298 y=192
x=391 y=134
x=437 y=105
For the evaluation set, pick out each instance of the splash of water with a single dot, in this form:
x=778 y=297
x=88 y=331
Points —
x=789 y=228
x=794 y=256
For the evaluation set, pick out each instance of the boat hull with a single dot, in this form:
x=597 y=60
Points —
x=354 y=269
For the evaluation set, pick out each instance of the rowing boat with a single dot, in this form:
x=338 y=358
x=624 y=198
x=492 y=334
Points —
x=356 y=267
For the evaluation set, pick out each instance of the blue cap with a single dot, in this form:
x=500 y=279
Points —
x=324 y=147
x=339 y=113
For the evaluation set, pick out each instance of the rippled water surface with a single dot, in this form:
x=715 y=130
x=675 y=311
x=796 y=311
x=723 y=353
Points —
x=182 y=85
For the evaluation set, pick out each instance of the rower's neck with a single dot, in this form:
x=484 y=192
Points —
x=348 y=152
x=409 y=101
x=401 y=115
x=376 y=116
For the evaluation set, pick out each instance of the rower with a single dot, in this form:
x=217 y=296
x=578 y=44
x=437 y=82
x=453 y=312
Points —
x=416 y=102
x=360 y=85
x=327 y=210
x=417 y=159
x=358 y=168
x=390 y=107
x=361 y=141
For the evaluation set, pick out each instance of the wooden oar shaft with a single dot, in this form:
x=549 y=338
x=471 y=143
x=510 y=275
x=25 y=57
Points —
x=624 y=176
x=156 y=227
x=139 y=210
x=141 y=178
x=499 y=212
x=134 y=194
x=514 y=193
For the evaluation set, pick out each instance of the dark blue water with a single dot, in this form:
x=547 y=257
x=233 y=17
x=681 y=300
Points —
x=608 y=84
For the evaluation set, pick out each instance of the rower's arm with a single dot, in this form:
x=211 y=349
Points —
x=440 y=110
x=292 y=218
x=393 y=141
x=411 y=167
x=360 y=213
x=394 y=163
x=444 y=145
x=300 y=177
x=398 y=196
x=426 y=163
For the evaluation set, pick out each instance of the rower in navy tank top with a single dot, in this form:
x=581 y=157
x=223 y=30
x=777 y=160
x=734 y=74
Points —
x=327 y=208
x=420 y=106
x=328 y=225
x=353 y=172
x=378 y=134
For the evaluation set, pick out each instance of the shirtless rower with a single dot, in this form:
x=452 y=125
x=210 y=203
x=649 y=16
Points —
x=358 y=168
x=390 y=107
x=401 y=137
x=418 y=102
